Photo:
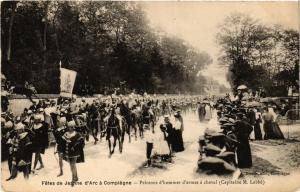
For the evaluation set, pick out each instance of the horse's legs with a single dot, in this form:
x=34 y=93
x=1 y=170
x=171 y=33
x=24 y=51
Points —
x=152 y=126
x=135 y=130
x=142 y=131
x=87 y=136
x=114 y=144
x=120 y=143
x=109 y=146
x=101 y=130
x=94 y=131
x=129 y=135
x=122 y=135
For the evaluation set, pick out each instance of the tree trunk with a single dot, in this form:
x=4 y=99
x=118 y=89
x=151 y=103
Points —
x=45 y=34
x=11 y=21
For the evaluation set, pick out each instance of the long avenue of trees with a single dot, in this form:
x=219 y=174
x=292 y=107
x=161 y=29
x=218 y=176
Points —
x=107 y=43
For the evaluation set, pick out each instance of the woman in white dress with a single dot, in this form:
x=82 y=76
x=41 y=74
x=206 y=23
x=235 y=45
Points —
x=162 y=148
x=208 y=114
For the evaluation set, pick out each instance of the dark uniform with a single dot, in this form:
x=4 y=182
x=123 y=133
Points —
x=41 y=141
x=113 y=127
x=72 y=146
x=20 y=152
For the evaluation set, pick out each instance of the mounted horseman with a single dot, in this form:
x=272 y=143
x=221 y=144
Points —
x=113 y=128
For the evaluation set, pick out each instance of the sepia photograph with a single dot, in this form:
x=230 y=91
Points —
x=150 y=96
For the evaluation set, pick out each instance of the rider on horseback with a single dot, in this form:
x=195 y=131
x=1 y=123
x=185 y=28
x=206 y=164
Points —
x=113 y=128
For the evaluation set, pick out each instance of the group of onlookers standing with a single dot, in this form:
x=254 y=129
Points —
x=167 y=141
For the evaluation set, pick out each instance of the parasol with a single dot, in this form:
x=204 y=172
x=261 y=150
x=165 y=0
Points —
x=241 y=87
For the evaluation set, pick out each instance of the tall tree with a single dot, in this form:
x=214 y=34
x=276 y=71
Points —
x=256 y=54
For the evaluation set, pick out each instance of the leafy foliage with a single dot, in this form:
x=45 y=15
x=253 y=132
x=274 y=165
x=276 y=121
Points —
x=107 y=43
x=259 y=56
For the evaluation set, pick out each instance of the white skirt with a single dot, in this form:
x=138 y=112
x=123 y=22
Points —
x=161 y=147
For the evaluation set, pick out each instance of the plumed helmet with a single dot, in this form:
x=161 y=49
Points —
x=71 y=124
x=8 y=125
x=19 y=126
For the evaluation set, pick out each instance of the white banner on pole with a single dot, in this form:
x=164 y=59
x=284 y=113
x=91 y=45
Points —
x=67 y=81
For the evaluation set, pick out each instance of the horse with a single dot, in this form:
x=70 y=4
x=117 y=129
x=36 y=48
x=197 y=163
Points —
x=137 y=124
x=113 y=128
x=101 y=124
x=28 y=92
x=134 y=123
x=125 y=128
x=93 y=121
x=126 y=120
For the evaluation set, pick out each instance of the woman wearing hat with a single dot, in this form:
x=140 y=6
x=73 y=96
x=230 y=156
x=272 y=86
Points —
x=162 y=145
x=243 y=152
x=208 y=112
x=72 y=145
x=177 y=133
x=170 y=130
x=20 y=152
x=40 y=141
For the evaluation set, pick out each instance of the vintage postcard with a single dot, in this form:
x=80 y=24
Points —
x=150 y=96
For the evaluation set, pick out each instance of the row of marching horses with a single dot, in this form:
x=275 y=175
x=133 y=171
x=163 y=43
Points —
x=93 y=119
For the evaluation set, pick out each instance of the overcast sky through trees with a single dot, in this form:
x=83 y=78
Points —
x=196 y=22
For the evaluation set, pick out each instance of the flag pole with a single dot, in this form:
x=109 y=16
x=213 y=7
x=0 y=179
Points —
x=60 y=77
